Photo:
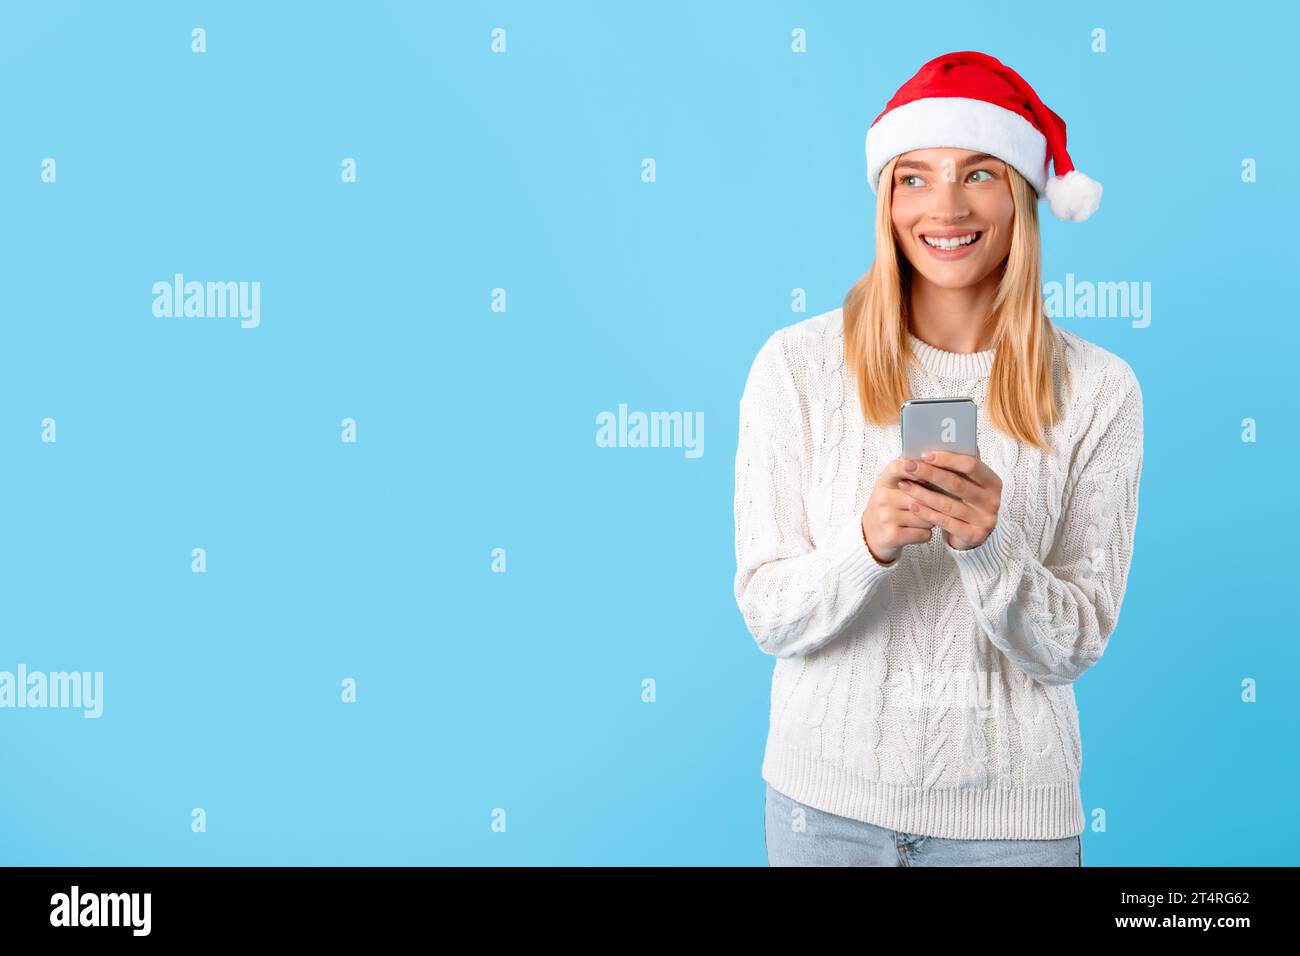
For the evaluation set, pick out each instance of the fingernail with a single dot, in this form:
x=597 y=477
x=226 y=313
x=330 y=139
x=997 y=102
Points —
x=927 y=455
x=909 y=465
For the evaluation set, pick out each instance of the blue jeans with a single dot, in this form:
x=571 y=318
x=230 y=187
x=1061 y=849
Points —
x=800 y=835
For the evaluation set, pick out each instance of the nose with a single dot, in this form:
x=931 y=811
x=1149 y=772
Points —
x=949 y=203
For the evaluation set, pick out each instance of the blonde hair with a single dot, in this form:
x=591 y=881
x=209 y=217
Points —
x=1021 y=394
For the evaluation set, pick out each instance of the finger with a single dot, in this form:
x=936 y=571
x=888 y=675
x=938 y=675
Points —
x=911 y=536
x=897 y=470
x=953 y=461
x=972 y=467
x=916 y=535
x=962 y=510
x=952 y=481
x=892 y=507
x=953 y=525
x=890 y=474
x=907 y=518
x=899 y=504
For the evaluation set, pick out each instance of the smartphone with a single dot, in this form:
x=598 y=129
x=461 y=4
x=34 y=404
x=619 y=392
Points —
x=938 y=424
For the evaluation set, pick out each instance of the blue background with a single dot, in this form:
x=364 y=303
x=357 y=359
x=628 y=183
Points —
x=476 y=428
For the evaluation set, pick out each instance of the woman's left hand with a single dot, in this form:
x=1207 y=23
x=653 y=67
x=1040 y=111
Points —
x=965 y=523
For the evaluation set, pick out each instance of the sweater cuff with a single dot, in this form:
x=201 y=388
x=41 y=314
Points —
x=851 y=556
x=988 y=559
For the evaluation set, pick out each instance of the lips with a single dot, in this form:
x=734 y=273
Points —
x=956 y=253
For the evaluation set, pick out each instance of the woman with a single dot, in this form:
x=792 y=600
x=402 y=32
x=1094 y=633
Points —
x=922 y=708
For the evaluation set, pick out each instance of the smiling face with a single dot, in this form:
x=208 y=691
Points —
x=952 y=212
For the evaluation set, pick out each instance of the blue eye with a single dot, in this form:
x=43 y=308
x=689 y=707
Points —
x=903 y=179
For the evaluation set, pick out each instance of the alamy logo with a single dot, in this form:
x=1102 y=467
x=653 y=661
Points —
x=102 y=909
x=653 y=430
x=75 y=690
x=1083 y=299
x=976 y=690
x=211 y=300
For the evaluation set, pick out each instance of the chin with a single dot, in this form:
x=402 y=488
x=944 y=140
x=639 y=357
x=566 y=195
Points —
x=952 y=280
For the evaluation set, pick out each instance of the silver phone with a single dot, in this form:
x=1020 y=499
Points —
x=938 y=424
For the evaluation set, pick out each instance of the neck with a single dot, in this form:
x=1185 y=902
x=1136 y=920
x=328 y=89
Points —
x=955 y=320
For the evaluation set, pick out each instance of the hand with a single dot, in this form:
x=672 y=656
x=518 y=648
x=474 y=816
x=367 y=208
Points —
x=968 y=522
x=887 y=524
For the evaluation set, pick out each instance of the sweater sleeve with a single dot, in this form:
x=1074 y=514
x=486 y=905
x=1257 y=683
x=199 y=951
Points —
x=795 y=596
x=1053 y=619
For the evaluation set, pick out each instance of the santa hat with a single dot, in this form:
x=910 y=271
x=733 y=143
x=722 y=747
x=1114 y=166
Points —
x=970 y=100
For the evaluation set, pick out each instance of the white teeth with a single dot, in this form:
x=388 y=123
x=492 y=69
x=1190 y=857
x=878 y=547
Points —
x=951 y=243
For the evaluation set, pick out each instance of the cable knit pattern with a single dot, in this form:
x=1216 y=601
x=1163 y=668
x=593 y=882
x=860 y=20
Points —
x=933 y=695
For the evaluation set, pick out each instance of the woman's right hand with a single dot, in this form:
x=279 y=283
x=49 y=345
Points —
x=888 y=524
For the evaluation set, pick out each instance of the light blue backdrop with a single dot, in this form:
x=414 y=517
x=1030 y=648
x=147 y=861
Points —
x=476 y=429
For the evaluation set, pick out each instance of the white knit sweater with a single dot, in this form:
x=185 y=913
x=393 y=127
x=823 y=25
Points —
x=932 y=695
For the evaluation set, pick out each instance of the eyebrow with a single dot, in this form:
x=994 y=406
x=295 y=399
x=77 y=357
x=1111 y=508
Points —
x=968 y=161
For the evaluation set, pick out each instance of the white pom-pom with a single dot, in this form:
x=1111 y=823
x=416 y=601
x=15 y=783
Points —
x=1073 y=196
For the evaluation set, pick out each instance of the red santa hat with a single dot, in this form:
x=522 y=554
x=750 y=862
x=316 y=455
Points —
x=970 y=100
